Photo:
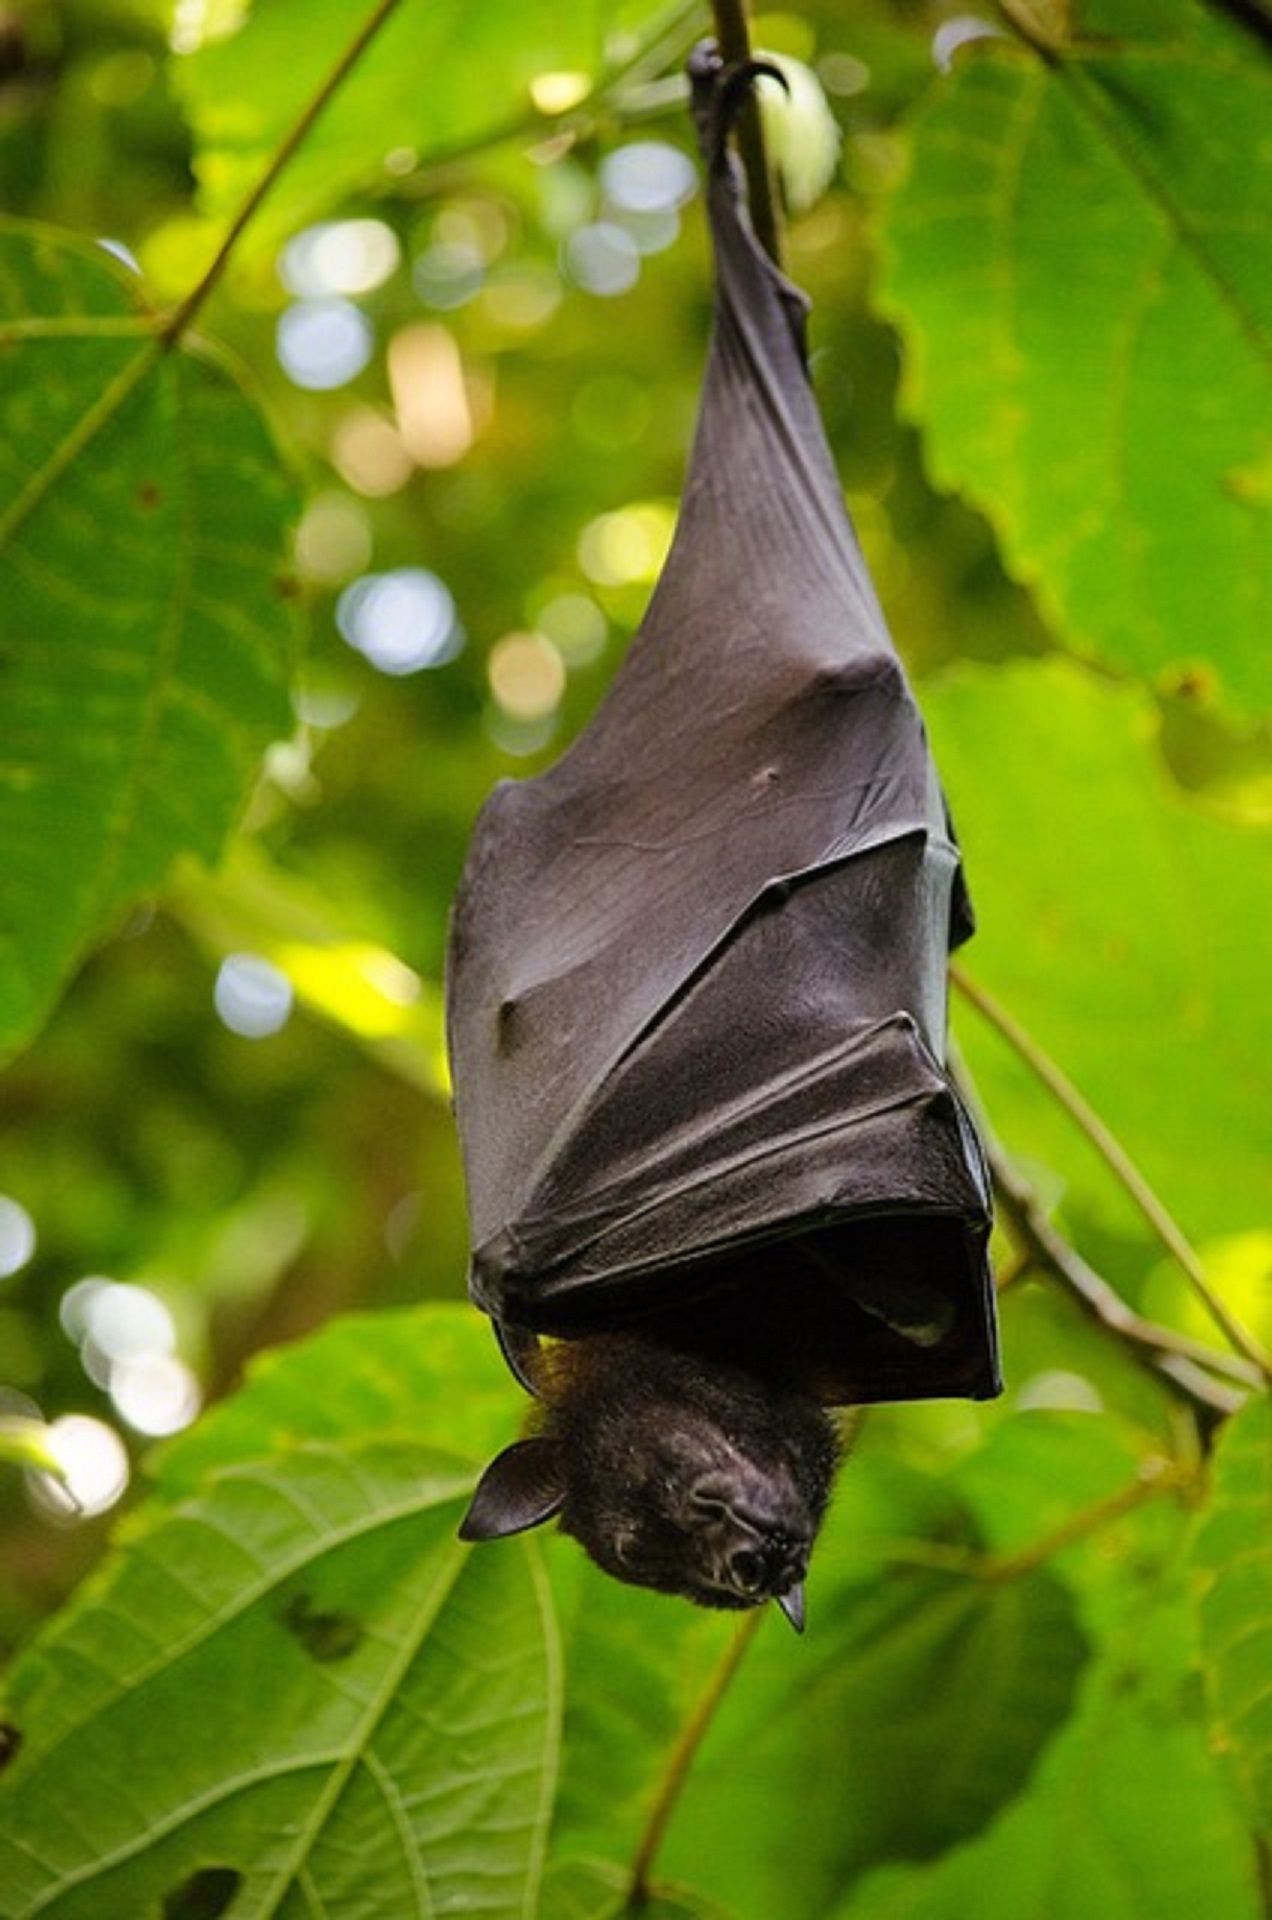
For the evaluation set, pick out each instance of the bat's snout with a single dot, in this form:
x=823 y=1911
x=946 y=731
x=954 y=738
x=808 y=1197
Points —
x=758 y=1539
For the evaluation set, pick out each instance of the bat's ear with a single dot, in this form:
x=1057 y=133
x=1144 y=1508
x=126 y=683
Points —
x=522 y=1487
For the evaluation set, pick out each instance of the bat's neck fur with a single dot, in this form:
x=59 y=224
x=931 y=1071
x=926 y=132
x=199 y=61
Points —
x=586 y=1379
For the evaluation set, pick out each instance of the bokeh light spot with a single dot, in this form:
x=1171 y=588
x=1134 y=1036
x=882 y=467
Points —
x=17 y=1236
x=558 y=92
x=576 y=627
x=519 y=738
x=400 y=621
x=120 y=252
x=367 y=452
x=960 y=32
x=1059 y=1391
x=122 y=1320
x=843 y=74
x=323 y=344
x=339 y=257
x=95 y=1464
x=426 y=379
x=333 y=540
x=527 y=675
x=448 y=274
x=629 y=546
x=648 y=176
x=73 y=1308
x=602 y=258
x=522 y=298
x=252 y=997
x=156 y=1393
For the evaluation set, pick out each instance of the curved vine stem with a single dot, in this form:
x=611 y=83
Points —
x=682 y=1757
x=178 y=321
x=1156 y=1478
x=1116 y=1158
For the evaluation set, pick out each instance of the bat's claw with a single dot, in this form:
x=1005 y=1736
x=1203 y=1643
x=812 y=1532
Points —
x=719 y=92
x=520 y=1348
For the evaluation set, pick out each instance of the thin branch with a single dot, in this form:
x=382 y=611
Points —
x=734 y=42
x=1116 y=1159
x=1155 y=1478
x=682 y=1757
x=181 y=317
x=1185 y=1363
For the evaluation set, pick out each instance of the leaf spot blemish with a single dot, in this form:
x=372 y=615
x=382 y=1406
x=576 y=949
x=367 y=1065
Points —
x=206 y=1895
x=10 y=1741
x=148 y=494
x=324 y=1636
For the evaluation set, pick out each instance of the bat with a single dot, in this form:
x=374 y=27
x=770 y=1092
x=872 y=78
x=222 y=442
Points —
x=719 y=1179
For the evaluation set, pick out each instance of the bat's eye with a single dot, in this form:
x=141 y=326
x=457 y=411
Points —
x=747 y=1570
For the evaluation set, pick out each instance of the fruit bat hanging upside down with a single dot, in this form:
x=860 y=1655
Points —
x=697 y=990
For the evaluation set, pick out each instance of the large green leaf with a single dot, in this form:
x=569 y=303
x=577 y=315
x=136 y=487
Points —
x=915 y=1707
x=1114 y=924
x=639 y=1663
x=145 y=638
x=438 y=74
x=431 y=1373
x=295 y=1687
x=1232 y=1561
x=1126 y=1818
x=1082 y=272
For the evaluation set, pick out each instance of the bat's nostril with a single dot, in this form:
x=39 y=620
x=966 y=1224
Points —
x=747 y=1569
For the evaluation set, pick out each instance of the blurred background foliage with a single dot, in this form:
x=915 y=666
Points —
x=474 y=310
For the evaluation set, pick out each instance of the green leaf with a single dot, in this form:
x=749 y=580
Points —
x=295 y=1688
x=640 y=1662
x=1082 y=272
x=1114 y=925
x=920 y=1705
x=1127 y=1816
x=145 y=639
x=808 y=1770
x=439 y=74
x=431 y=1373
x=1232 y=1565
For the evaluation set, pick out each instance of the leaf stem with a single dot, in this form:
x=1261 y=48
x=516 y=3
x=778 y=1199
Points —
x=682 y=1756
x=1172 y=1354
x=734 y=41
x=1118 y=1161
x=1156 y=1477
x=182 y=315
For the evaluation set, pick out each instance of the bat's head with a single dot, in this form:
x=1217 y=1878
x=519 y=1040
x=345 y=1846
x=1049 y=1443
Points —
x=690 y=1477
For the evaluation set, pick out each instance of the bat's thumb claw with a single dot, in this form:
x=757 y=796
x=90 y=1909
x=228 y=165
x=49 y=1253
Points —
x=719 y=92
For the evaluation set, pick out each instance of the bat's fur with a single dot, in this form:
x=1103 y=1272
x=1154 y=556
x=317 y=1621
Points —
x=683 y=1473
